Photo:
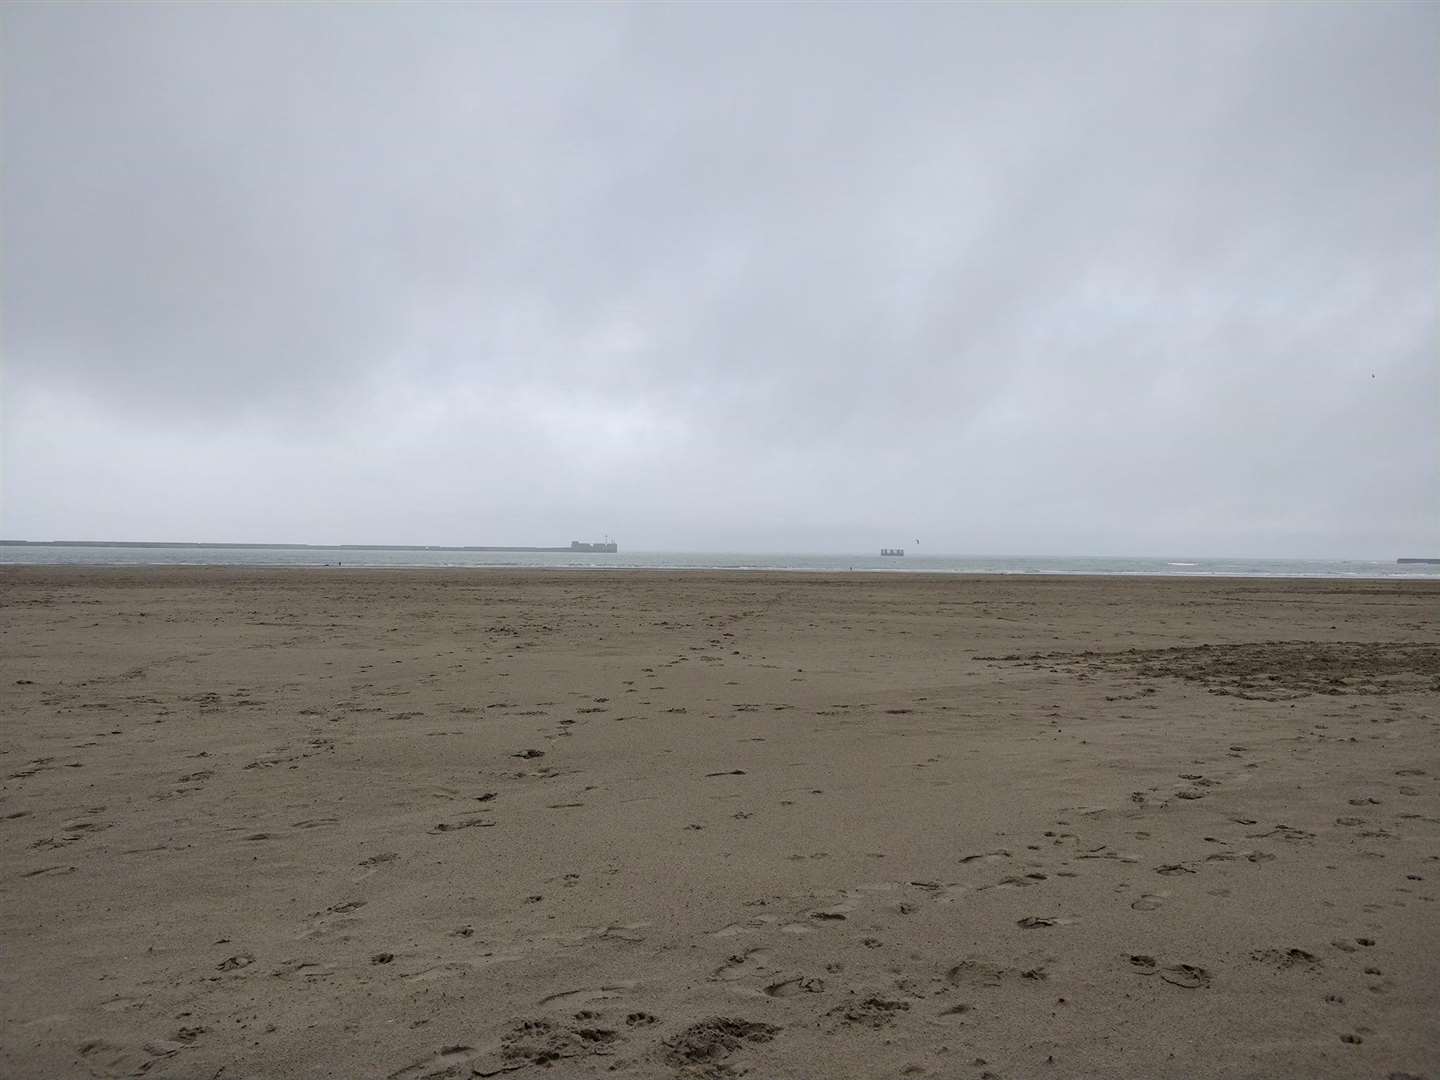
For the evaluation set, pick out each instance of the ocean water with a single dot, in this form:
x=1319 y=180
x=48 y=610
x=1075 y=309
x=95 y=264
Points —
x=674 y=560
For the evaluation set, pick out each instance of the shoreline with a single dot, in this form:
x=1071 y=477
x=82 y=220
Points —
x=928 y=573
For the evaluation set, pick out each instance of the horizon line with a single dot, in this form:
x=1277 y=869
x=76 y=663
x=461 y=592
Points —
x=536 y=549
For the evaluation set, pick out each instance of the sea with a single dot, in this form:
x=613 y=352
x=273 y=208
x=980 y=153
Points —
x=911 y=563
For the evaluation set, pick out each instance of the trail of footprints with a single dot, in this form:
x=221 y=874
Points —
x=700 y=1048
x=771 y=959
x=781 y=971
x=773 y=969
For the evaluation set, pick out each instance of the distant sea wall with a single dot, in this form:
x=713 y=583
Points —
x=575 y=545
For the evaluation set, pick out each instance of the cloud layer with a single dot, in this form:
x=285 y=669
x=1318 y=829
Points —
x=1024 y=279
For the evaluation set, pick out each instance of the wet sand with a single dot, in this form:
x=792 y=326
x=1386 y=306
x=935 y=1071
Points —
x=479 y=823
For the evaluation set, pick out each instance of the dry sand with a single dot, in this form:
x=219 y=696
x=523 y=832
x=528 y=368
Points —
x=444 y=823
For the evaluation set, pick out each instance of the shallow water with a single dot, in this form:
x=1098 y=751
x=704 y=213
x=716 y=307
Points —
x=1177 y=566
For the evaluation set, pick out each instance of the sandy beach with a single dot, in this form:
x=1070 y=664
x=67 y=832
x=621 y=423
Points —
x=478 y=823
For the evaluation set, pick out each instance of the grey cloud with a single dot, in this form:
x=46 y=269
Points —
x=1101 y=278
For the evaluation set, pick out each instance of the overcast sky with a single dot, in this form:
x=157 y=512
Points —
x=1029 y=279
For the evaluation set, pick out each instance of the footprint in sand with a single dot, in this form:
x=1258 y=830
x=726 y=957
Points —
x=108 y=1059
x=589 y=995
x=977 y=972
x=377 y=860
x=741 y=965
x=711 y=1041
x=1185 y=976
x=988 y=856
x=463 y=823
x=1040 y=922
x=935 y=890
x=872 y=1012
x=1286 y=958
x=750 y=926
x=1017 y=881
x=441 y=1063
x=122 y=1004
x=322 y=922
x=236 y=962
x=798 y=984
